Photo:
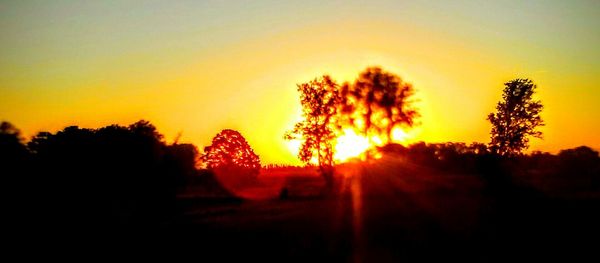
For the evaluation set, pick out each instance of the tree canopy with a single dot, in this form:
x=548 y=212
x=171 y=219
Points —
x=12 y=151
x=377 y=102
x=517 y=118
x=320 y=100
x=229 y=148
x=114 y=174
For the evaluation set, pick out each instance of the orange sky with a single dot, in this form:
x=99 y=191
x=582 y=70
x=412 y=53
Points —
x=201 y=68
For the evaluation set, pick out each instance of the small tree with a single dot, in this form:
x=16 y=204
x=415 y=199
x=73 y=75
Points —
x=231 y=156
x=517 y=117
x=320 y=100
x=378 y=102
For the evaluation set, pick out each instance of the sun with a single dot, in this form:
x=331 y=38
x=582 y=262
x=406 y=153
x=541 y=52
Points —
x=350 y=145
x=399 y=135
x=294 y=146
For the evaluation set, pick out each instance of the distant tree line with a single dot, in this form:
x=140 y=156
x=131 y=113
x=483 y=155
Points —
x=114 y=174
x=569 y=171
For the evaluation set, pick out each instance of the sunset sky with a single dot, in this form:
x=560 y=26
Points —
x=198 y=67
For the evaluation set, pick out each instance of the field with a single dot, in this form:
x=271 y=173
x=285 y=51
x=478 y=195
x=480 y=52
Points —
x=391 y=210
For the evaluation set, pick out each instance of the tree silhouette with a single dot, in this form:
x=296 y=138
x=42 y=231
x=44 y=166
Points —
x=517 y=117
x=320 y=100
x=583 y=164
x=14 y=171
x=113 y=174
x=378 y=102
x=230 y=154
x=9 y=133
x=183 y=160
x=12 y=150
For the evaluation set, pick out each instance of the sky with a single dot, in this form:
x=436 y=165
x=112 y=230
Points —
x=197 y=67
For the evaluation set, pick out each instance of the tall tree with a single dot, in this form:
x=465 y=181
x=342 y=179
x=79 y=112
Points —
x=320 y=100
x=377 y=102
x=517 y=118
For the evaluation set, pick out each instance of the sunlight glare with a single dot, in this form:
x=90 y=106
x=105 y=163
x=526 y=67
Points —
x=294 y=146
x=399 y=135
x=350 y=145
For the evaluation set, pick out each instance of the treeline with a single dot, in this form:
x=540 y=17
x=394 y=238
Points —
x=114 y=174
x=574 y=170
x=130 y=175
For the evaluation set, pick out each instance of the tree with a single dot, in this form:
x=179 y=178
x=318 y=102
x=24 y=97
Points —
x=182 y=160
x=320 y=100
x=378 y=102
x=517 y=117
x=230 y=151
x=15 y=177
x=145 y=129
x=12 y=150
x=114 y=174
x=9 y=132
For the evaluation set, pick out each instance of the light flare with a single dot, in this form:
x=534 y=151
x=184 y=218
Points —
x=400 y=136
x=350 y=145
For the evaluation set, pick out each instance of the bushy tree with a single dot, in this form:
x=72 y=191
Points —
x=233 y=162
x=183 y=161
x=12 y=150
x=517 y=118
x=377 y=102
x=230 y=150
x=14 y=174
x=320 y=101
x=9 y=133
x=114 y=174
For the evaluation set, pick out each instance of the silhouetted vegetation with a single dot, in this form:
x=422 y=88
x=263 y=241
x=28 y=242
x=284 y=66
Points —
x=232 y=159
x=574 y=170
x=517 y=117
x=14 y=156
x=454 y=196
x=377 y=102
x=450 y=157
x=114 y=174
x=320 y=100
x=15 y=167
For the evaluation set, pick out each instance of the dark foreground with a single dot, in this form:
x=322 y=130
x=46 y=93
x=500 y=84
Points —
x=398 y=212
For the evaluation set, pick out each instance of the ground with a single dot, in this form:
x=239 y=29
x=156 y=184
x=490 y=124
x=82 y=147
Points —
x=392 y=210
